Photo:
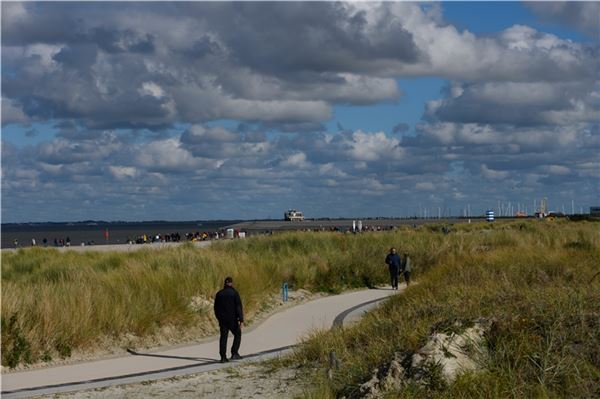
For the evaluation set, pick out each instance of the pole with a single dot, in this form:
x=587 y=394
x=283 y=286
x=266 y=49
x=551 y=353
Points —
x=284 y=292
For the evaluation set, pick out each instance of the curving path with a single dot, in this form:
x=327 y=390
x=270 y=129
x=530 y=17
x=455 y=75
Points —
x=276 y=335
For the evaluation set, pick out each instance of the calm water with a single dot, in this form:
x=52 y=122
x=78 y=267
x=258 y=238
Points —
x=117 y=232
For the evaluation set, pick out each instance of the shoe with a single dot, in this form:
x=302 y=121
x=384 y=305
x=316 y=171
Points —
x=224 y=360
x=236 y=356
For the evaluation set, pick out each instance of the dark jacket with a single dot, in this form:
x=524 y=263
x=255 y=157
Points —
x=228 y=306
x=393 y=261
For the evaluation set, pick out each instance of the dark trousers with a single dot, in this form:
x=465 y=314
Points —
x=225 y=327
x=394 y=277
x=407 y=277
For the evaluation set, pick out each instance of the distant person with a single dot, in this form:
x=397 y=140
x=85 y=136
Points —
x=16 y=243
x=33 y=243
x=229 y=313
x=393 y=261
x=45 y=242
x=68 y=242
x=406 y=268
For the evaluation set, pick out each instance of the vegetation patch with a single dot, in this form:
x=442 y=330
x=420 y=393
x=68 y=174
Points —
x=536 y=292
x=55 y=304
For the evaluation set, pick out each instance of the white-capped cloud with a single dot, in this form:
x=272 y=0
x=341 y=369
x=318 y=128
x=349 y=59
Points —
x=138 y=93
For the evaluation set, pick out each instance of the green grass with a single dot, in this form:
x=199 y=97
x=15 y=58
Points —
x=54 y=303
x=534 y=281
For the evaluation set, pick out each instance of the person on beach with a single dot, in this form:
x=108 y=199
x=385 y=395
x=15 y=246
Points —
x=393 y=261
x=406 y=268
x=229 y=313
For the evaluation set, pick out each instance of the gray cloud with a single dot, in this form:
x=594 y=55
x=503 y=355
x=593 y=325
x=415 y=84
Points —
x=130 y=89
x=150 y=65
x=519 y=103
x=583 y=15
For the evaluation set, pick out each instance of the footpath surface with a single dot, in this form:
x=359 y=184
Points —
x=276 y=335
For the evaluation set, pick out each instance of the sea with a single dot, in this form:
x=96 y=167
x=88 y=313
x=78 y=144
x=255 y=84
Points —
x=95 y=232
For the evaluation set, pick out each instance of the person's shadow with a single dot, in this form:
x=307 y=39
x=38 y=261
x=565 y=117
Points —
x=205 y=360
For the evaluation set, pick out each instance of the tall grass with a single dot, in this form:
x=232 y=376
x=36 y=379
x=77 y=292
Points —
x=54 y=303
x=537 y=283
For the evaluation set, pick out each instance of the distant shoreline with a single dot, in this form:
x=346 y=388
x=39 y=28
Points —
x=117 y=247
x=94 y=233
x=120 y=233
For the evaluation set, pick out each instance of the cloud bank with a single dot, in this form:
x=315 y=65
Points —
x=136 y=91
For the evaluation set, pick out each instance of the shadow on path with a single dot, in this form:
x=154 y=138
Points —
x=203 y=360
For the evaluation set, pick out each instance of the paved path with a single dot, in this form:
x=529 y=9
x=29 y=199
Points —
x=275 y=335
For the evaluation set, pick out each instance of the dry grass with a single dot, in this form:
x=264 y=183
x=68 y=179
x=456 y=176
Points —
x=54 y=303
x=535 y=280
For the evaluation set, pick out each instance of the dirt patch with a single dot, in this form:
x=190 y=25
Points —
x=258 y=380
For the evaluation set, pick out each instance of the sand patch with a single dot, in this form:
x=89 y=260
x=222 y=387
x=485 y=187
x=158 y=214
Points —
x=253 y=381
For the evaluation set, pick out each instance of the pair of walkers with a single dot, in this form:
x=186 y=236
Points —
x=397 y=265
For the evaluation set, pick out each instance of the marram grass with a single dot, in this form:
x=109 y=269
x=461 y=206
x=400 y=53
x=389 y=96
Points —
x=534 y=279
x=539 y=282
x=56 y=302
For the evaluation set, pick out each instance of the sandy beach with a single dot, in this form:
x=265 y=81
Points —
x=118 y=247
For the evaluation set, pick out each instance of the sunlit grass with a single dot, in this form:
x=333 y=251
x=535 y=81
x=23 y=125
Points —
x=62 y=301
x=534 y=281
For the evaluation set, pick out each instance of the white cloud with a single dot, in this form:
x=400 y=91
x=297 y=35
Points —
x=297 y=160
x=425 y=186
x=152 y=89
x=493 y=174
x=12 y=113
x=374 y=147
x=555 y=169
x=167 y=156
x=123 y=172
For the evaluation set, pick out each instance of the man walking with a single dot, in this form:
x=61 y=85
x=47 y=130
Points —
x=393 y=261
x=229 y=313
x=406 y=268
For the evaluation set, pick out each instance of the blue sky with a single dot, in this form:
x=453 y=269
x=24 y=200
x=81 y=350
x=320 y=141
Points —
x=337 y=109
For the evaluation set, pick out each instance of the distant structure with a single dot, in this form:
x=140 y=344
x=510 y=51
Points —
x=595 y=211
x=293 y=215
x=489 y=216
x=543 y=211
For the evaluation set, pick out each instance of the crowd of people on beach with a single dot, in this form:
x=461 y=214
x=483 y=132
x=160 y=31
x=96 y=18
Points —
x=204 y=236
x=349 y=229
x=139 y=239
x=176 y=237
x=58 y=242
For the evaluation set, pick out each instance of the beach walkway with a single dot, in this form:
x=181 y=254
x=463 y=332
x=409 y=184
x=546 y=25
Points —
x=273 y=337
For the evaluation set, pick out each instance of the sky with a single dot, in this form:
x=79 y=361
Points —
x=239 y=110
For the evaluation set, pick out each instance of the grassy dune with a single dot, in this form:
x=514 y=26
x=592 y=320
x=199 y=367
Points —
x=537 y=282
x=54 y=303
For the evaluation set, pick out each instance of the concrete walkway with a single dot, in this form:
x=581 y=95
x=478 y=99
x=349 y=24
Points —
x=274 y=336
